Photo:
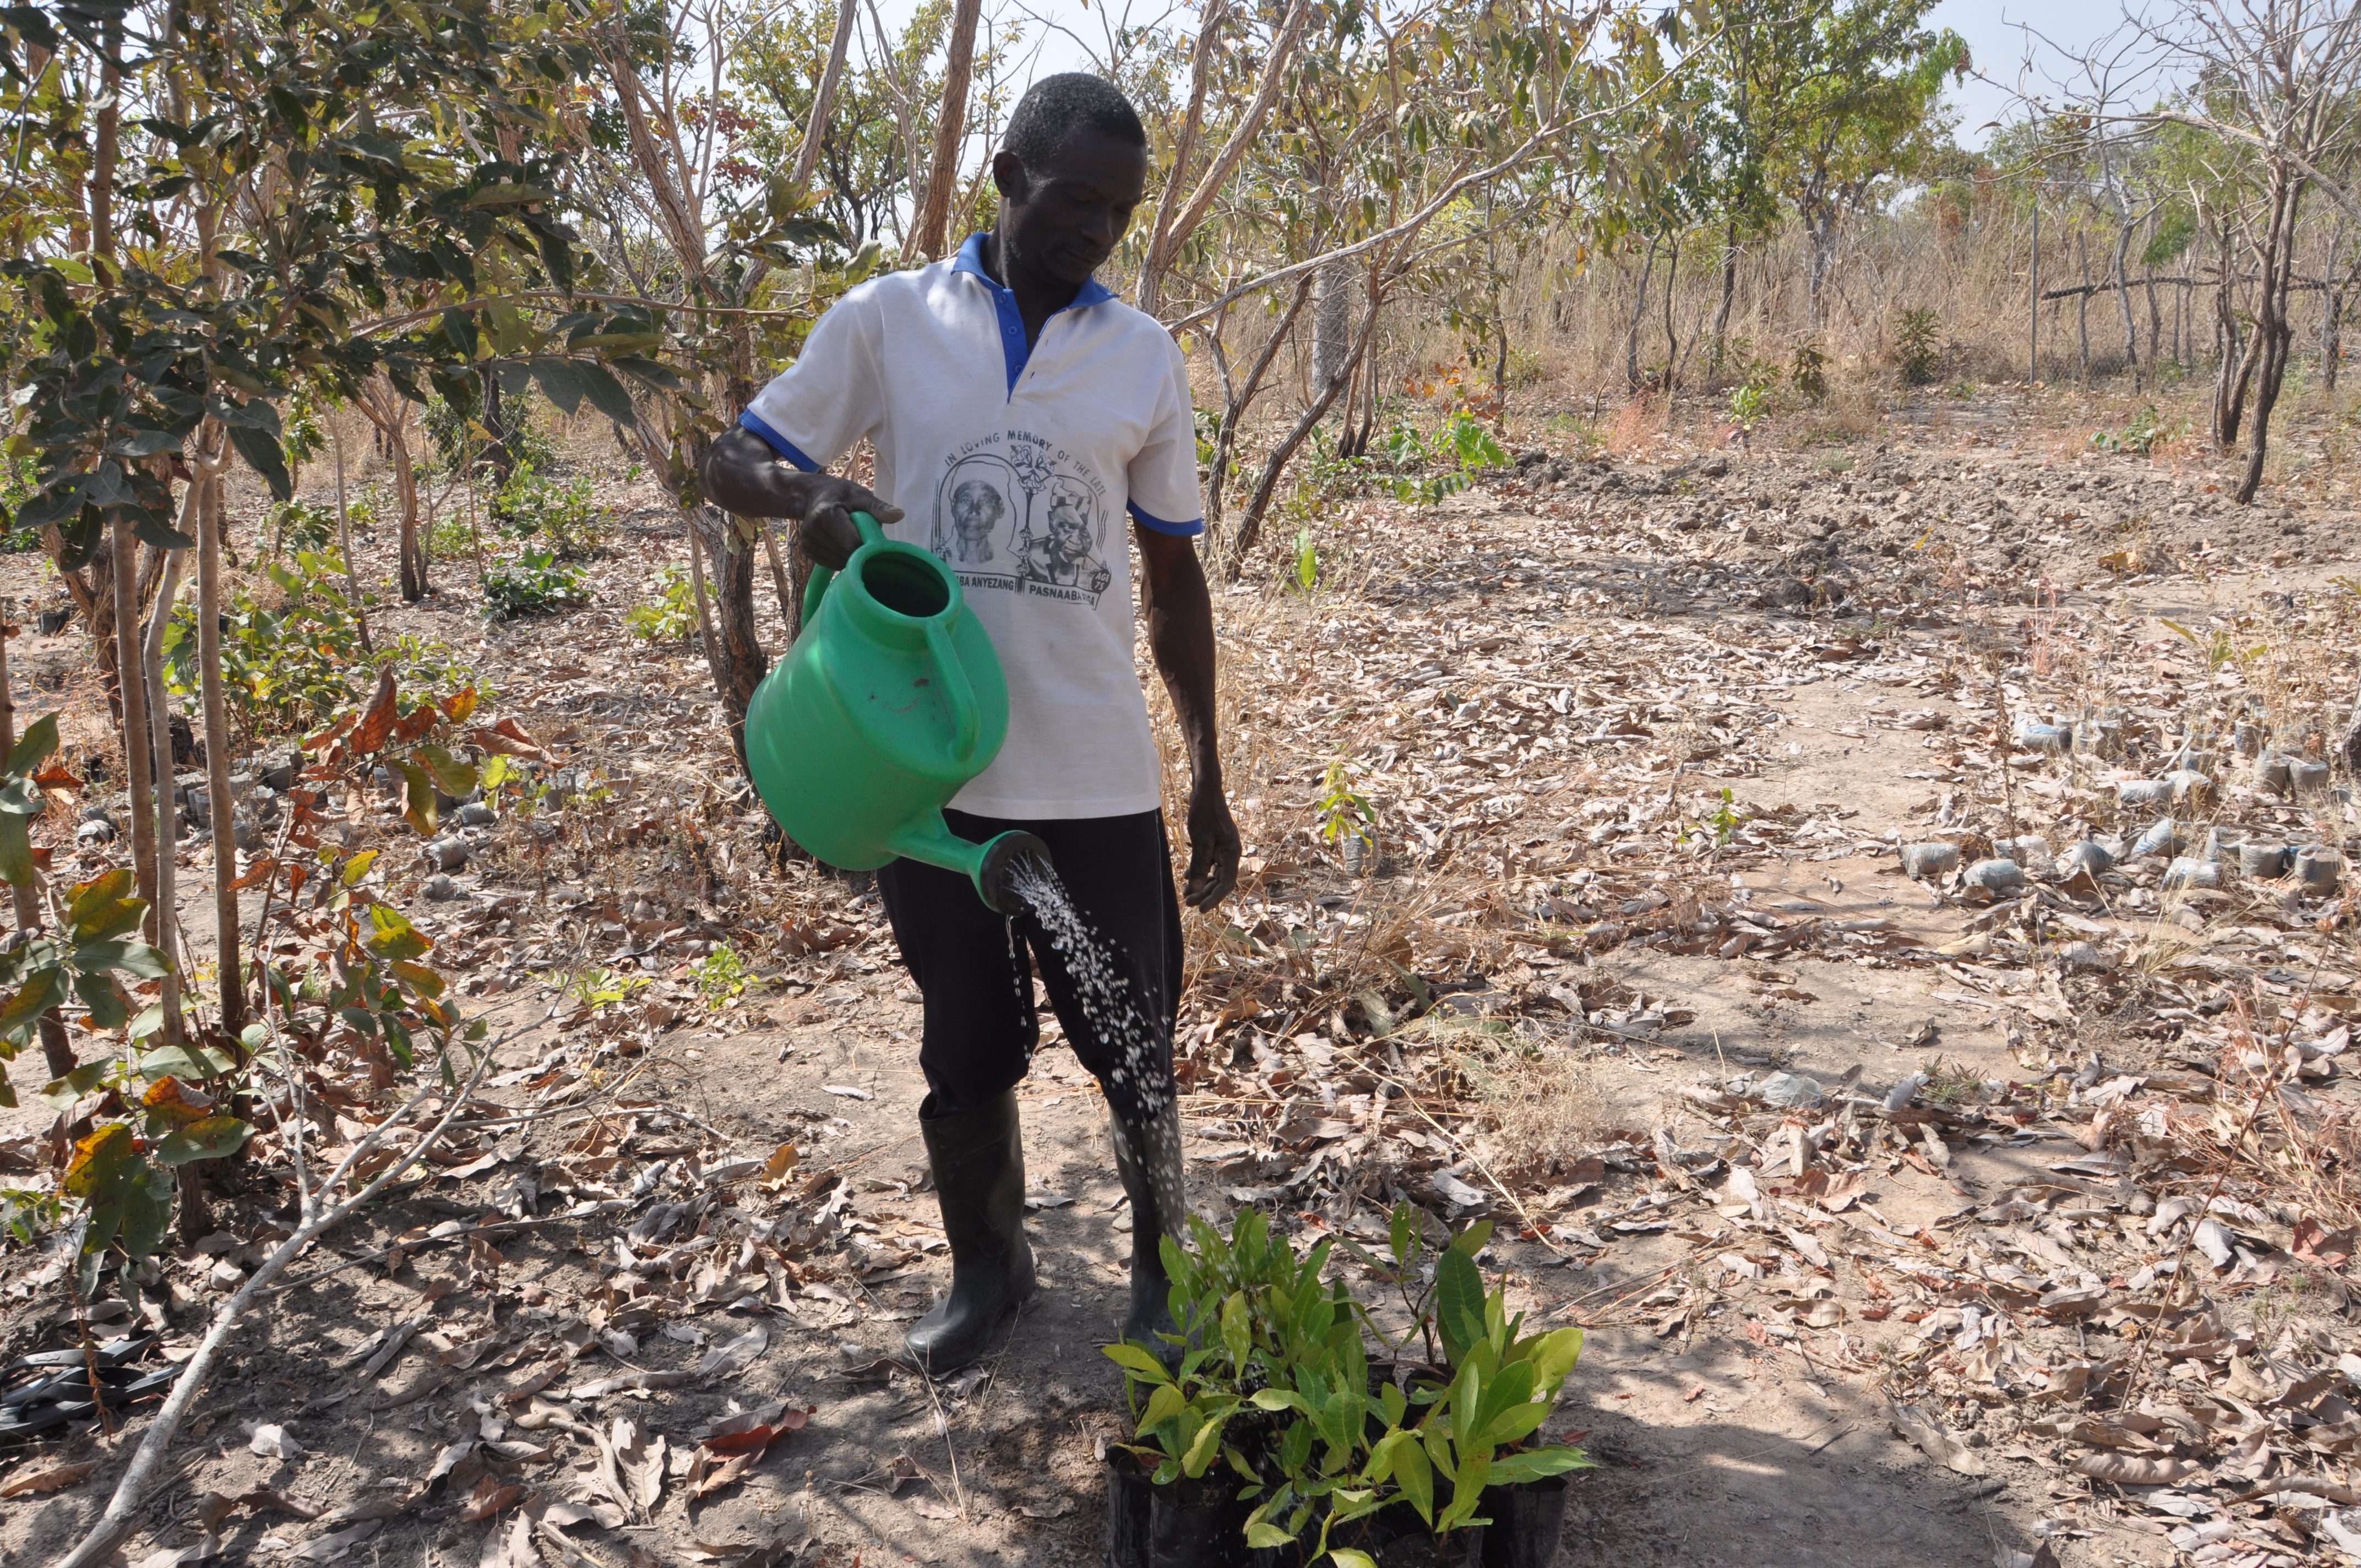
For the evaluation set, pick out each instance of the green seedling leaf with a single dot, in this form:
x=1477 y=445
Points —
x=136 y=958
x=60 y=1093
x=1536 y=1464
x=458 y=778
x=41 y=991
x=215 y=1137
x=418 y=807
x=1162 y=1406
x=391 y=937
x=1139 y=1363
x=35 y=746
x=1264 y=1537
x=16 y=850
x=1458 y=1300
x=189 y=1063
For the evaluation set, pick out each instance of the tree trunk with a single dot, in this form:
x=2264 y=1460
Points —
x=1332 y=321
x=57 y=1052
x=824 y=96
x=2124 y=303
x=739 y=660
x=1639 y=313
x=168 y=808
x=927 y=236
x=345 y=539
x=1250 y=527
x=139 y=805
x=2274 y=329
x=229 y=966
x=1729 y=298
x=1234 y=413
x=1672 y=331
x=2082 y=304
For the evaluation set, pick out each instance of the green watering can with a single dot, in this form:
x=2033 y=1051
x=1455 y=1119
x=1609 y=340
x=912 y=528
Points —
x=891 y=700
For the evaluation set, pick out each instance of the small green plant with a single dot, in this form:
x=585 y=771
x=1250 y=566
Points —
x=669 y=617
x=2142 y=436
x=594 y=988
x=1917 y=345
x=1463 y=444
x=1750 y=403
x=1273 y=1381
x=1808 y=372
x=722 y=975
x=1723 y=821
x=1960 y=392
x=300 y=526
x=535 y=583
x=27 y=1214
x=1344 y=813
x=1307 y=560
x=450 y=538
x=533 y=505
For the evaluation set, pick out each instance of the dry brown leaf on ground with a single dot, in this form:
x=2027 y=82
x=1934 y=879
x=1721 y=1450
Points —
x=509 y=1548
x=55 y=1479
x=732 y=1357
x=336 y=1545
x=1937 y=1440
x=2135 y=1470
x=630 y=1467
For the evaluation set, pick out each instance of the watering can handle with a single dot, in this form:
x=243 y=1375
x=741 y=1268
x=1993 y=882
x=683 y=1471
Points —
x=958 y=692
x=821 y=575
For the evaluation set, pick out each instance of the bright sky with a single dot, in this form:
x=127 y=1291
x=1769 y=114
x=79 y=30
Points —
x=1995 y=31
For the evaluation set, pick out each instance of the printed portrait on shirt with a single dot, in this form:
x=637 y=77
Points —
x=1064 y=551
x=1014 y=511
x=973 y=519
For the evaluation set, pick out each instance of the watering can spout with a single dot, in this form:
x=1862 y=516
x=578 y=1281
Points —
x=991 y=866
x=891 y=700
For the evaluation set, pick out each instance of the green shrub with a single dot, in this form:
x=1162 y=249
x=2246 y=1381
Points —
x=533 y=505
x=1918 y=346
x=300 y=526
x=671 y=616
x=289 y=668
x=285 y=668
x=535 y=583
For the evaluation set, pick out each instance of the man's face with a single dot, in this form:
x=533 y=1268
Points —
x=971 y=514
x=1061 y=223
x=1069 y=531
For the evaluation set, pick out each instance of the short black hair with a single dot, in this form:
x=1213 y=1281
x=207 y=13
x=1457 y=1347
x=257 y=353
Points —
x=1056 y=107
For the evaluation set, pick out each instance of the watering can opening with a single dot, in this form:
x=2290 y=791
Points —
x=906 y=582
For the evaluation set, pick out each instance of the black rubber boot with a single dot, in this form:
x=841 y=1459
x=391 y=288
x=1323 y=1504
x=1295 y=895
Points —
x=1148 y=1157
x=978 y=1158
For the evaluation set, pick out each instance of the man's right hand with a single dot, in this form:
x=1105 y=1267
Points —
x=744 y=476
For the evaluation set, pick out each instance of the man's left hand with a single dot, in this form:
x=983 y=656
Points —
x=1213 y=849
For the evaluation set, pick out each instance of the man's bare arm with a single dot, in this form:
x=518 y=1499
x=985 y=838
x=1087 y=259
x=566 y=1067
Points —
x=743 y=475
x=1180 y=636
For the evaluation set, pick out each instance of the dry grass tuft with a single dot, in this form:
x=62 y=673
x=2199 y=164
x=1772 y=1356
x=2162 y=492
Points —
x=1545 y=1109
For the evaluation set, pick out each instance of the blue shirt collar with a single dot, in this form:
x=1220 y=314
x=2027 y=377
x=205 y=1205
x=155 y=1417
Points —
x=1013 y=351
x=970 y=261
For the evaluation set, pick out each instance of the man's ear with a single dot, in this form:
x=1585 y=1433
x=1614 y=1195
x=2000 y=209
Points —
x=1008 y=175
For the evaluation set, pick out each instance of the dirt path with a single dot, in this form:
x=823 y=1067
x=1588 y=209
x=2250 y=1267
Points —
x=1544 y=689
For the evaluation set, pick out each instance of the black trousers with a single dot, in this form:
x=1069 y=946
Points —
x=975 y=968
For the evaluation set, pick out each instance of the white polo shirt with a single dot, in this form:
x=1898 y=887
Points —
x=1017 y=470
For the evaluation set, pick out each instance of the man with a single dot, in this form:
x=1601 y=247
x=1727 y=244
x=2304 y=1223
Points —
x=1012 y=355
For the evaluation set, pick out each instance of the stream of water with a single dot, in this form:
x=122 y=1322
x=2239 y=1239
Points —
x=1138 y=1075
